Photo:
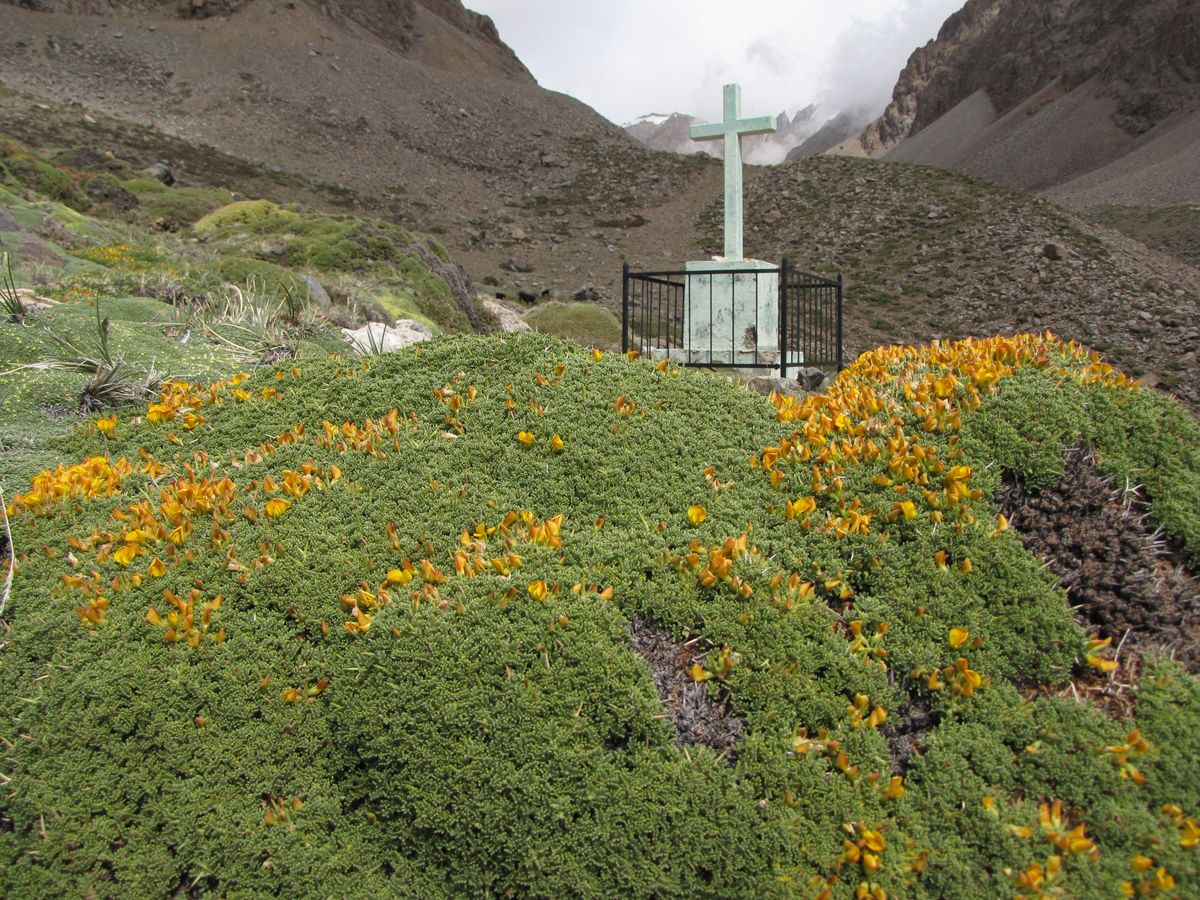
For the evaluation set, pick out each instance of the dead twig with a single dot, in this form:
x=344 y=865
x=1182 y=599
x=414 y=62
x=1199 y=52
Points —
x=12 y=555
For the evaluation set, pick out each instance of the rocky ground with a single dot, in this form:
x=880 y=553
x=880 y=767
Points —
x=929 y=254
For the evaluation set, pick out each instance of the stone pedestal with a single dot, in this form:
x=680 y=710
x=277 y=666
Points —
x=731 y=312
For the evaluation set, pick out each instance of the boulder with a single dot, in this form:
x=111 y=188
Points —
x=162 y=172
x=809 y=378
x=316 y=292
x=106 y=189
x=510 y=320
x=517 y=265
x=380 y=337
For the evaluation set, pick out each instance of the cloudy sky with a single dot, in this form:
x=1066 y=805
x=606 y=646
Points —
x=627 y=58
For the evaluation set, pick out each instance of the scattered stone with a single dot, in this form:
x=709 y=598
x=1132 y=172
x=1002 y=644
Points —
x=386 y=338
x=810 y=379
x=106 y=189
x=162 y=172
x=510 y=320
x=316 y=292
x=1052 y=252
x=517 y=265
x=773 y=384
x=589 y=293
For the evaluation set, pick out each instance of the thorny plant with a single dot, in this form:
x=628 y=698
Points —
x=11 y=306
x=112 y=382
x=255 y=324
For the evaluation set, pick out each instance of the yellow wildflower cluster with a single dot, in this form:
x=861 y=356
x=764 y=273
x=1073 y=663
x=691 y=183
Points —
x=182 y=400
x=718 y=666
x=713 y=566
x=94 y=477
x=864 y=848
x=114 y=256
x=182 y=622
x=484 y=549
x=860 y=712
x=280 y=811
x=366 y=438
x=1152 y=880
x=868 y=646
x=1133 y=745
x=877 y=411
x=1189 y=828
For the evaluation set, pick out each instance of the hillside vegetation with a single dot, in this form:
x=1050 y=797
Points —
x=363 y=627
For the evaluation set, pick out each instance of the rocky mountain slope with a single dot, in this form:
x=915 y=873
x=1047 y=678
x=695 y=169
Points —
x=415 y=107
x=672 y=133
x=1052 y=96
x=928 y=254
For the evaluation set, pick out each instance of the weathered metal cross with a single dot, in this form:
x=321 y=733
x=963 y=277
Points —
x=732 y=129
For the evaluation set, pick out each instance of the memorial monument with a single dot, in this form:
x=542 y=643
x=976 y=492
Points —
x=731 y=304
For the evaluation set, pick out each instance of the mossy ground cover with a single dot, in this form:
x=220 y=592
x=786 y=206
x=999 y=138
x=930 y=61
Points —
x=87 y=223
x=360 y=628
x=585 y=323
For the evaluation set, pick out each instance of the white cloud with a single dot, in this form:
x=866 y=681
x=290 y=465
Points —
x=626 y=58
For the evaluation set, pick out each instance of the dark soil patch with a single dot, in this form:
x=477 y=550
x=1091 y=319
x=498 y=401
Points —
x=1121 y=575
x=906 y=732
x=695 y=715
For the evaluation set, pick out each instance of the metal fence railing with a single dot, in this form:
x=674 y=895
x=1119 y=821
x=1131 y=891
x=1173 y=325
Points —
x=749 y=315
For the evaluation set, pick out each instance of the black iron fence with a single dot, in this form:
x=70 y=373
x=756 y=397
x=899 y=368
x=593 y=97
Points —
x=748 y=316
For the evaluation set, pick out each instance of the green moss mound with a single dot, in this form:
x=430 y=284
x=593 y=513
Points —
x=584 y=323
x=418 y=679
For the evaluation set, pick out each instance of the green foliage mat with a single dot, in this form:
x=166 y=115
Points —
x=410 y=688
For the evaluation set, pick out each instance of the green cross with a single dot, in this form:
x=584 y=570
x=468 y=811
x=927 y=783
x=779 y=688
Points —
x=732 y=129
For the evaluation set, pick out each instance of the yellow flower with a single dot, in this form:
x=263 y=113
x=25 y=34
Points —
x=157 y=569
x=127 y=553
x=556 y=444
x=697 y=514
x=277 y=506
x=537 y=590
x=526 y=438
x=107 y=426
x=958 y=637
x=400 y=576
x=597 y=355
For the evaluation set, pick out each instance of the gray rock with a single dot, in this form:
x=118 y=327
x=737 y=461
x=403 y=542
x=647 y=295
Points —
x=316 y=292
x=768 y=384
x=517 y=265
x=809 y=378
x=510 y=320
x=162 y=172
x=587 y=293
x=1052 y=252
x=386 y=338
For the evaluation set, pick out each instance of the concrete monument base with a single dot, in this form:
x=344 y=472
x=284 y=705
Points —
x=731 y=312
